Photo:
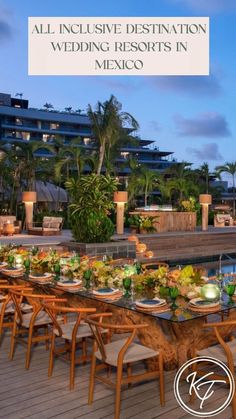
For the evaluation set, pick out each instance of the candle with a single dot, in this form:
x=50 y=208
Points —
x=210 y=292
x=18 y=261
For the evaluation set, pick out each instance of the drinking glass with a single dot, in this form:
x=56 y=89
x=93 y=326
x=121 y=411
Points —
x=230 y=289
x=173 y=293
x=127 y=281
x=10 y=260
x=57 y=270
x=87 y=278
x=27 y=264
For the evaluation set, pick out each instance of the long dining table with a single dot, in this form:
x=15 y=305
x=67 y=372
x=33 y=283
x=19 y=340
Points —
x=177 y=332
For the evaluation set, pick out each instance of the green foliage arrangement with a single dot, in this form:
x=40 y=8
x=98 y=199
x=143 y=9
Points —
x=91 y=200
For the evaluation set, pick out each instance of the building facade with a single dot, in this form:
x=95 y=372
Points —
x=19 y=122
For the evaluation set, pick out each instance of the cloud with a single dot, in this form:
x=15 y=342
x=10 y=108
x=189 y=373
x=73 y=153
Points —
x=207 y=6
x=209 y=124
x=195 y=86
x=5 y=30
x=155 y=126
x=116 y=84
x=207 y=152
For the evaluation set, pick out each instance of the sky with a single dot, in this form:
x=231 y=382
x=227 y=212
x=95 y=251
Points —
x=193 y=116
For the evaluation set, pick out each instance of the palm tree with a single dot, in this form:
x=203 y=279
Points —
x=48 y=106
x=107 y=123
x=142 y=181
x=28 y=161
x=72 y=157
x=183 y=188
x=229 y=168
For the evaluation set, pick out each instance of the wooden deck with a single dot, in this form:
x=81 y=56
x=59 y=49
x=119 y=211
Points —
x=31 y=394
x=174 y=247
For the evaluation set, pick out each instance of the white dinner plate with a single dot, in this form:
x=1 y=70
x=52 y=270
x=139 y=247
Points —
x=40 y=275
x=199 y=302
x=105 y=291
x=149 y=303
x=69 y=283
x=3 y=265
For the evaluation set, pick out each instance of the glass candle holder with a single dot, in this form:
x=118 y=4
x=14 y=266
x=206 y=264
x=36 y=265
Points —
x=210 y=292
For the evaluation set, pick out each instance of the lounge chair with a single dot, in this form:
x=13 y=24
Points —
x=51 y=226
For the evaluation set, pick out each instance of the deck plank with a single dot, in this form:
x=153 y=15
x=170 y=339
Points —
x=31 y=394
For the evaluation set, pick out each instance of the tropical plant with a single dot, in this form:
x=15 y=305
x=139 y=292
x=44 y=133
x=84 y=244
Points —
x=188 y=205
x=107 y=122
x=147 y=224
x=204 y=176
x=142 y=181
x=73 y=158
x=229 y=168
x=48 y=106
x=91 y=201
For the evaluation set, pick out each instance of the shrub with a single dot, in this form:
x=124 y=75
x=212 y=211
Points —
x=91 y=201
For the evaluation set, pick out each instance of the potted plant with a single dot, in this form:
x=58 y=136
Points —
x=91 y=202
x=134 y=223
x=147 y=224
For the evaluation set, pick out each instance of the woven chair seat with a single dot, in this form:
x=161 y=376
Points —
x=10 y=308
x=135 y=352
x=41 y=319
x=67 y=330
x=218 y=352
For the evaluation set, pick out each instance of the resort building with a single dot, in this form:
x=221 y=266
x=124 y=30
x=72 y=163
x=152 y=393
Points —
x=19 y=122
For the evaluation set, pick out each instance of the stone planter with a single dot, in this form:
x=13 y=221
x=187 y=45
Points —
x=116 y=249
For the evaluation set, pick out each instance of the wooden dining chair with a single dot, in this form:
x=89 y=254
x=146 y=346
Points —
x=154 y=265
x=121 y=262
x=118 y=354
x=7 y=307
x=74 y=334
x=224 y=351
x=30 y=324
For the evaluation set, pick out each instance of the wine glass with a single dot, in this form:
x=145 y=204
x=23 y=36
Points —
x=27 y=264
x=127 y=281
x=173 y=293
x=57 y=270
x=10 y=260
x=230 y=290
x=87 y=278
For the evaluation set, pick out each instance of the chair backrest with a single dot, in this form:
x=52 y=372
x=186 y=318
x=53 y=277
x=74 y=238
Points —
x=53 y=309
x=96 y=323
x=35 y=300
x=155 y=265
x=7 y=219
x=52 y=222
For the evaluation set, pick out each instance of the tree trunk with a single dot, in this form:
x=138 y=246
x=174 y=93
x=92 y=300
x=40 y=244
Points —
x=233 y=196
x=145 y=196
x=101 y=158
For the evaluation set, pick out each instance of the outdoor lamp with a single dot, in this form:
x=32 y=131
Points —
x=210 y=292
x=205 y=200
x=29 y=198
x=120 y=198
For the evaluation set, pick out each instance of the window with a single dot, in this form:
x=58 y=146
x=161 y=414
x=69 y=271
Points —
x=124 y=154
x=45 y=137
x=54 y=125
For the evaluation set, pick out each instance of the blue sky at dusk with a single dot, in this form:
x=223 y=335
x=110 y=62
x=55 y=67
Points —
x=192 y=116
